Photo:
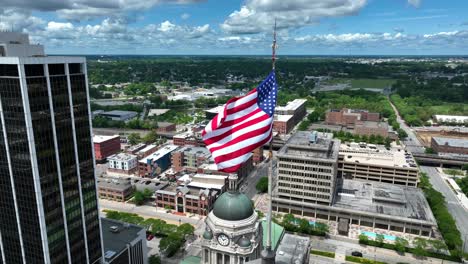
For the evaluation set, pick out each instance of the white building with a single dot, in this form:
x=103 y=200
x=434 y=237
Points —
x=451 y=119
x=122 y=163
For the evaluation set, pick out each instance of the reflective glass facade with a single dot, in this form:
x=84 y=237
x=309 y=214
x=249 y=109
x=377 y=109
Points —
x=39 y=160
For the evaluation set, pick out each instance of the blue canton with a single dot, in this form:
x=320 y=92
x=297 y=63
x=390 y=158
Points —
x=266 y=94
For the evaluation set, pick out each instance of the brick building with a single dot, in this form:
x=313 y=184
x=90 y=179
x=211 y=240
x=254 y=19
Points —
x=194 y=195
x=104 y=146
x=449 y=145
x=371 y=128
x=135 y=148
x=166 y=127
x=257 y=156
x=286 y=117
x=242 y=173
x=115 y=190
x=349 y=117
x=146 y=151
x=189 y=158
x=190 y=138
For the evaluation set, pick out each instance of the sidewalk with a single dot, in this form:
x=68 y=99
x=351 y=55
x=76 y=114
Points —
x=148 y=211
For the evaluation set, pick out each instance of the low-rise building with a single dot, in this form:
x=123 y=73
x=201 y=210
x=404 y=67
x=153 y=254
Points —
x=349 y=117
x=122 y=163
x=257 y=156
x=189 y=158
x=135 y=148
x=147 y=150
x=368 y=128
x=166 y=127
x=376 y=163
x=156 y=162
x=287 y=117
x=119 y=115
x=451 y=119
x=114 y=189
x=157 y=112
x=242 y=173
x=449 y=145
x=105 y=146
x=123 y=243
x=194 y=195
x=189 y=138
x=211 y=113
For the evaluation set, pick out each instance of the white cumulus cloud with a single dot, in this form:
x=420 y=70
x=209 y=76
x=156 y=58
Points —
x=259 y=15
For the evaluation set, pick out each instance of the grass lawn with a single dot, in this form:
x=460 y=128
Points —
x=450 y=109
x=364 y=83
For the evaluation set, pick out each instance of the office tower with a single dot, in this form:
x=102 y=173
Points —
x=307 y=169
x=49 y=211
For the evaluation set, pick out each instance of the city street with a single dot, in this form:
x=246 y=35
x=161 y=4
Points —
x=459 y=213
x=411 y=142
x=249 y=184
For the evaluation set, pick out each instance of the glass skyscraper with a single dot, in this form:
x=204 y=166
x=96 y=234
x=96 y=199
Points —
x=48 y=206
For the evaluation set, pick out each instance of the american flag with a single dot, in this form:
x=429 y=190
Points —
x=244 y=124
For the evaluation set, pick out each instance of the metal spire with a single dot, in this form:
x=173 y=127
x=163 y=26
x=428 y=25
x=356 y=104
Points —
x=273 y=48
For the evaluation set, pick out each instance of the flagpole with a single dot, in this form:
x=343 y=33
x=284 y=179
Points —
x=268 y=255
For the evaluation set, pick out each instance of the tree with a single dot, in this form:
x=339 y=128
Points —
x=185 y=229
x=304 y=226
x=150 y=137
x=171 y=243
x=139 y=198
x=401 y=133
x=262 y=185
x=429 y=150
x=154 y=259
x=401 y=244
x=438 y=245
x=388 y=141
x=380 y=239
x=363 y=239
x=133 y=138
x=465 y=167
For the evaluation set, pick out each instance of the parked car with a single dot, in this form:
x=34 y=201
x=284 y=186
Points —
x=356 y=254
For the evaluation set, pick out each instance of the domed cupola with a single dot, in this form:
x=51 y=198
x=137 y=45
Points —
x=244 y=242
x=233 y=205
x=208 y=235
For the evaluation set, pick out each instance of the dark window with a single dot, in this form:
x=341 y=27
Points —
x=56 y=69
x=34 y=70
x=75 y=68
x=8 y=70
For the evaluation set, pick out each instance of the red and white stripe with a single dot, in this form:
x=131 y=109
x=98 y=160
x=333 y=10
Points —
x=236 y=131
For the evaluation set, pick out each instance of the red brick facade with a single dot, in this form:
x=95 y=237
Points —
x=104 y=149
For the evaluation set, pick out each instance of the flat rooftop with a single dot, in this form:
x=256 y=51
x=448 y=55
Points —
x=292 y=105
x=199 y=151
x=292 y=249
x=115 y=184
x=215 y=110
x=119 y=113
x=283 y=118
x=451 y=142
x=159 y=153
x=382 y=198
x=116 y=242
x=302 y=145
x=377 y=155
x=372 y=124
x=100 y=139
x=147 y=148
x=121 y=157
x=156 y=112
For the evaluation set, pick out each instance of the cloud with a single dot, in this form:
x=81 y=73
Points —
x=259 y=15
x=19 y=19
x=79 y=10
x=415 y=3
x=185 y=16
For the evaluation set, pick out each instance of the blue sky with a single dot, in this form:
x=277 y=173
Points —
x=323 y=27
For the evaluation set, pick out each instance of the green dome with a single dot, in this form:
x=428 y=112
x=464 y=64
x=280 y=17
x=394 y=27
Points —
x=207 y=235
x=244 y=242
x=233 y=207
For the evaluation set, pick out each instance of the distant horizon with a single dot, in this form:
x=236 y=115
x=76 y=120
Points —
x=266 y=55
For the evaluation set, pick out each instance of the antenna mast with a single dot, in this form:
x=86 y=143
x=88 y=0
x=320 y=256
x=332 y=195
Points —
x=268 y=255
x=273 y=48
